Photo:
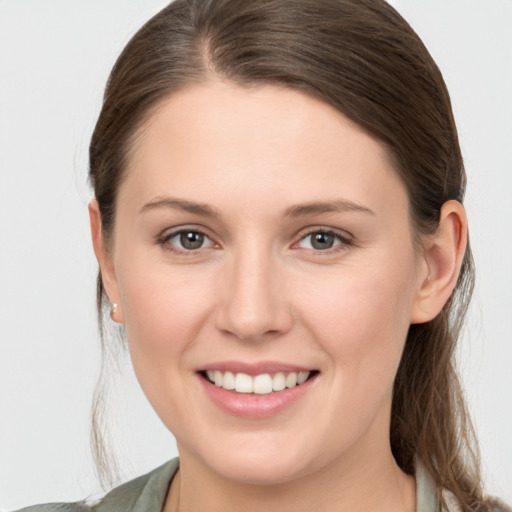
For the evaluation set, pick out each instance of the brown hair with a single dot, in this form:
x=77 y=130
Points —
x=361 y=57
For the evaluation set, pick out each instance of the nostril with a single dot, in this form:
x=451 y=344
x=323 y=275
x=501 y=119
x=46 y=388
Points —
x=253 y=309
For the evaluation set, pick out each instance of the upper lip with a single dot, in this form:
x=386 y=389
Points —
x=256 y=368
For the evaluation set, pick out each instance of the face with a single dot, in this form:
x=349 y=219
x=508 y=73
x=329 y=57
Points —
x=262 y=241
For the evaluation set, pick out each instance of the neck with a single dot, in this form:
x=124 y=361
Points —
x=340 y=486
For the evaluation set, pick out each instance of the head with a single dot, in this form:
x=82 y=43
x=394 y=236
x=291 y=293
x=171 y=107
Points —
x=355 y=70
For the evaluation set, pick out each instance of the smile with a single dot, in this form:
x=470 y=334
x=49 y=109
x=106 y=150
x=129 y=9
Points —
x=256 y=390
x=262 y=384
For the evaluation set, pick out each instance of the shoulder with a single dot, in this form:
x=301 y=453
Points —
x=146 y=494
x=58 y=507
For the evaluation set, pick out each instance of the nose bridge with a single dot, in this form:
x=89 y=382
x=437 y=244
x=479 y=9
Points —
x=253 y=299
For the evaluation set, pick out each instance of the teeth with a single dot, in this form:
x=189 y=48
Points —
x=229 y=381
x=302 y=377
x=291 y=380
x=263 y=384
x=260 y=384
x=279 y=382
x=243 y=383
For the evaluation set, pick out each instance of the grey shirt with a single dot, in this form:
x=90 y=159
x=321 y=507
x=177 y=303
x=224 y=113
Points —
x=148 y=492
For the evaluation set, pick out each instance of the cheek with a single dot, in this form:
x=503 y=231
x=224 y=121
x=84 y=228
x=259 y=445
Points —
x=361 y=319
x=164 y=309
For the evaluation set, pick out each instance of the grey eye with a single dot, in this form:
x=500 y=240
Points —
x=191 y=240
x=186 y=240
x=322 y=241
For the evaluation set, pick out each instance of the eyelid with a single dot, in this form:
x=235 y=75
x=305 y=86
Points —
x=166 y=235
x=346 y=238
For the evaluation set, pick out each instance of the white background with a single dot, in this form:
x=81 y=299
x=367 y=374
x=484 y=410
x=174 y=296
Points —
x=54 y=60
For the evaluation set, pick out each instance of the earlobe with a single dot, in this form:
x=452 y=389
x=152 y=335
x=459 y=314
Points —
x=442 y=259
x=105 y=262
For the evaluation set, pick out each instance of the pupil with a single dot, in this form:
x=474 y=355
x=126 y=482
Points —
x=322 y=241
x=191 y=240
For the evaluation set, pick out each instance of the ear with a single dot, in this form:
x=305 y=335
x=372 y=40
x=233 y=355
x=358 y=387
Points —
x=104 y=257
x=442 y=257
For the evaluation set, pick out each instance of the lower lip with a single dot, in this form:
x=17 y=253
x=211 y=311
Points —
x=254 y=406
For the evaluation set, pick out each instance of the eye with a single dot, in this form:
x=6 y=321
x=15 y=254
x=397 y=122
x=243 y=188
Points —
x=322 y=240
x=186 y=240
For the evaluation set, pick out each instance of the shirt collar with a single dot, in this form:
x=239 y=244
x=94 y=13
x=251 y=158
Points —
x=154 y=493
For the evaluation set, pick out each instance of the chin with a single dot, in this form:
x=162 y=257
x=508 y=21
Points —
x=255 y=462
x=255 y=471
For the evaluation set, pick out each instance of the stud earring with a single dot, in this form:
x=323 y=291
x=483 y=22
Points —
x=113 y=309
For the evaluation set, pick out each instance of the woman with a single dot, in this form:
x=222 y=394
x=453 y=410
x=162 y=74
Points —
x=279 y=225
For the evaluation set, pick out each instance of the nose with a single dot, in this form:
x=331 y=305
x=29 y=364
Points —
x=253 y=303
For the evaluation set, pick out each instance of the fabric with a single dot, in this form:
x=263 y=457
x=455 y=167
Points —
x=148 y=492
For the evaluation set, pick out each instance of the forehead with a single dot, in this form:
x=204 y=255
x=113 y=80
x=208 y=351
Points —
x=262 y=140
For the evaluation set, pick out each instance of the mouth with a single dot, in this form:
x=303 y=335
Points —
x=260 y=384
x=257 y=390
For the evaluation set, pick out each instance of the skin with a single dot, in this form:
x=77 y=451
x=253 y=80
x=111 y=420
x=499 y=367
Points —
x=257 y=290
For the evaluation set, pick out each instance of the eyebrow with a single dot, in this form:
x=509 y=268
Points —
x=298 y=210
x=316 y=208
x=181 y=204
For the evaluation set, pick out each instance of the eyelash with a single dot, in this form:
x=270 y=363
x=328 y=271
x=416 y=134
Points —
x=344 y=240
x=164 y=241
